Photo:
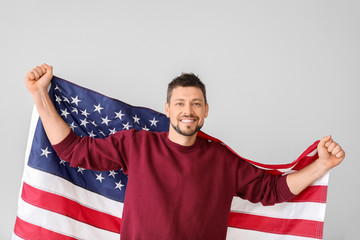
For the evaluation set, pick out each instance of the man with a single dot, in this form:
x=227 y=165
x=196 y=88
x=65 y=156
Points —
x=180 y=186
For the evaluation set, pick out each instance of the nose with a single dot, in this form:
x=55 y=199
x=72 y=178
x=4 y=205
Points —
x=187 y=109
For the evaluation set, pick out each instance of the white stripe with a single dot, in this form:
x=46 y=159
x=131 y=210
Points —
x=236 y=234
x=290 y=210
x=313 y=153
x=323 y=181
x=55 y=222
x=54 y=184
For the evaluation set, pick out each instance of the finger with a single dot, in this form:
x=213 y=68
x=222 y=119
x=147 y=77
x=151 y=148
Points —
x=30 y=75
x=332 y=146
x=43 y=69
x=36 y=74
x=323 y=141
x=340 y=154
x=40 y=70
x=327 y=144
x=336 y=150
x=47 y=67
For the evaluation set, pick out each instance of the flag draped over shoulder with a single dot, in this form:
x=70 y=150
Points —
x=60 y=202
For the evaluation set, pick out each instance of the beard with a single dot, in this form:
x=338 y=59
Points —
x=187 y=133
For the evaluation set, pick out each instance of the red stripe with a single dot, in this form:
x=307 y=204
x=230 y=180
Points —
x=299 y=163
x=312 y=194
x=70 y=208
x=296 y=227
x=27 y=230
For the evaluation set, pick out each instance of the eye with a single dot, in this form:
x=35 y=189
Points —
x=178 y=104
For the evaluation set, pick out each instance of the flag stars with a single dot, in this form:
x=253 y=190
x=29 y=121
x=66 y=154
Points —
x=72 y=126
x=154 y=122
x=64 y=112
x=98 y=108
x=136 y=119
x=84 y=113
x=99 y=177
x=126 y=126
x=105 y=121
x=83 y=122
x=75 y=110
x=112 y=131
x=119 y=115
x=145 y=128
x=45 y=152
x=57 y=99
x=112 y=173
x=65 y=99
x=75 y=100
x=91 y=134
x=62 y=162
x=94 y=123
x=81 y=170
x=119 y=185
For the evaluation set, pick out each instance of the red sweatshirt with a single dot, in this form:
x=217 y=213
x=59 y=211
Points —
x=174 y=192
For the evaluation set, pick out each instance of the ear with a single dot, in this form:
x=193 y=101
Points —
x=206 y=110
x=167 y=109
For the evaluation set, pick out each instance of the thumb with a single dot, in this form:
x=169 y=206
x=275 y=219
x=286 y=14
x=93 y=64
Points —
x=323 y=141
x=49 y=69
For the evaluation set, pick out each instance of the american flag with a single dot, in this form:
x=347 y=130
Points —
x=57 y=201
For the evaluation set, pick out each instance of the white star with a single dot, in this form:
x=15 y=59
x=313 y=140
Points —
x=99 y=177
x=126 y=126
x=64 y=112
x=153 y=122
x=72 y=126
x=119 y=115
x=45 y=152
x=75 y=110
x=57 y=88
x=119 y=185
x=112 y=131
x=91 y=134
x=76 y=100
x=98 y=108
x=101 y=132
x=80 y=170
x=83 y=122
x=85 y=113
x=112 y=173
x=136 y=119
x=58 y=99
x=94 y=123
x=105 y=121
x=145 y=128
x=62 y=162
x=66 y=100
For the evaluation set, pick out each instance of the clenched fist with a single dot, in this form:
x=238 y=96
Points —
x=39 y=78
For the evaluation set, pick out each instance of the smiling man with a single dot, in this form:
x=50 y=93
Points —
x=180 y=186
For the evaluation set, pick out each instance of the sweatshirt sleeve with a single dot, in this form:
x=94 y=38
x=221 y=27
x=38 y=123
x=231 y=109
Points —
x=255 y=185
x=110 y=153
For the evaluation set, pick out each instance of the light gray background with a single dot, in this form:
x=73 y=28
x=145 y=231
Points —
x=279 y=74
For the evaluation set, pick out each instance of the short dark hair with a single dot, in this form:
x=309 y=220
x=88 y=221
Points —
x=186 y=80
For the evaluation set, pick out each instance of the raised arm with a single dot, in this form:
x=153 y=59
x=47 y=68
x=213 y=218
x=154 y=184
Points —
x=330 y=155
x=37 y=81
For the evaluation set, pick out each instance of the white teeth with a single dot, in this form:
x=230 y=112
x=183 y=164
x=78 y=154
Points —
x=187 y=120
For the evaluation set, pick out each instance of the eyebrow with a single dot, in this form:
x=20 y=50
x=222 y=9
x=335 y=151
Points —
x=181 y=100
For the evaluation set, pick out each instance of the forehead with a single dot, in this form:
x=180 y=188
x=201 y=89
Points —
x=187 y=93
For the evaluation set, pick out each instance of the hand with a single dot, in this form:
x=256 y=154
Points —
x=330 y=152
x=39 y=78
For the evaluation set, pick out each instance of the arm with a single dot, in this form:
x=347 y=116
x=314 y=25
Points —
x=37 y=81
x=330 y=155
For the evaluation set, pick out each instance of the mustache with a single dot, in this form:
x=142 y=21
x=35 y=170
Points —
x=189 y=116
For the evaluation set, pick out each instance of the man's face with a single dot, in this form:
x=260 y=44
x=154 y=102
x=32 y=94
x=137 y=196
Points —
x=187 y=110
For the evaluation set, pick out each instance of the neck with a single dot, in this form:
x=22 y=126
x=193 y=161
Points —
x=181 y=139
